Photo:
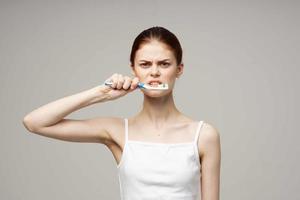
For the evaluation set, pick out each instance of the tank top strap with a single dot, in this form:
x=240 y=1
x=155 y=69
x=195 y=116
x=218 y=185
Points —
x=198 y=131
x=126 y=129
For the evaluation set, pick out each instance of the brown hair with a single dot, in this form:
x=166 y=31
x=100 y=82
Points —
x=160 y=34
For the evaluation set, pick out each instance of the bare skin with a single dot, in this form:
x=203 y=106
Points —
x=159 y=120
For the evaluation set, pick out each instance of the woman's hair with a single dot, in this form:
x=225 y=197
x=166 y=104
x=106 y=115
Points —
x=160 y=34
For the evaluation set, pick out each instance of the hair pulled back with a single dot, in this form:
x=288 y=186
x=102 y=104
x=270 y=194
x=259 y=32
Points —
x=160 y=34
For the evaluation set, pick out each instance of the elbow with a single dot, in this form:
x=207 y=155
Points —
x=28 y=124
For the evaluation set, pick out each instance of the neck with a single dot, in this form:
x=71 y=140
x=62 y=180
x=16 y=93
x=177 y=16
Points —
x=159 y=111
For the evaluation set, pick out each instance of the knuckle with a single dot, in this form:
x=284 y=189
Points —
x=121 y=80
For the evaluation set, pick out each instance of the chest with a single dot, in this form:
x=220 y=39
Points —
x=151 y=162
x=172 y=134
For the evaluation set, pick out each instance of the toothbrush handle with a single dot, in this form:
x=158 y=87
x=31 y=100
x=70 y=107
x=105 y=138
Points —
x=140 y=84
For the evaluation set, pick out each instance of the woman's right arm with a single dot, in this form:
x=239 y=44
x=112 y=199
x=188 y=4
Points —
x=49 y=120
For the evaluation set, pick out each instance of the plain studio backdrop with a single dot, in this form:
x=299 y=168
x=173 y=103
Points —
x=241 y=75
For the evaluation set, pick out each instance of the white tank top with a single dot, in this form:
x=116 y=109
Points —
x=160 y=171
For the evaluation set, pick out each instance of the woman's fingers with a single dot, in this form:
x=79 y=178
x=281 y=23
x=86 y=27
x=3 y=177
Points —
x=134 y=82
x=123 y=82
x=120 y=81
x=114 y=80
x=127 y=82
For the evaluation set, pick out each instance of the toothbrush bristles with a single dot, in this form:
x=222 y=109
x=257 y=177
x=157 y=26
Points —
x=162 y=86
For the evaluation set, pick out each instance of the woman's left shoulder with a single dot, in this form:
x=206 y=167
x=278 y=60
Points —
x=209 y=132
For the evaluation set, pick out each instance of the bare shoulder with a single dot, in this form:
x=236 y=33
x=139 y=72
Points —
x=209 y=138
x=209 y=132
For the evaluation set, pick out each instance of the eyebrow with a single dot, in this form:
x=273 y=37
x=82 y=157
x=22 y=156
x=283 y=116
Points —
x=158 y=61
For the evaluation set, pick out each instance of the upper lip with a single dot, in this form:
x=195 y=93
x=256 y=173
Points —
x=159 y=82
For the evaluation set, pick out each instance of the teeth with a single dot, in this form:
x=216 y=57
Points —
x=154 y=83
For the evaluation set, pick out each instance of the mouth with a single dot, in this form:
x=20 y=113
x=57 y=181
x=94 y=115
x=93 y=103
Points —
x=154 y=83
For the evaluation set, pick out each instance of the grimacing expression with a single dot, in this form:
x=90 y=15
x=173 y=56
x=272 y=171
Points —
x=155 y=60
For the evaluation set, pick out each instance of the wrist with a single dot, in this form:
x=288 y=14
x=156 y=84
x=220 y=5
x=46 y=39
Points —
x=98 y=94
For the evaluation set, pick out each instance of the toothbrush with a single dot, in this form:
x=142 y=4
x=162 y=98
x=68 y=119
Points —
x=162 y=86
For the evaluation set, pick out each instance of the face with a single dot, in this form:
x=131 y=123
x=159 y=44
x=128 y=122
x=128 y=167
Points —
x=155 y=61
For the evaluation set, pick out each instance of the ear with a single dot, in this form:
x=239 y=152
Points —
x=179 y=70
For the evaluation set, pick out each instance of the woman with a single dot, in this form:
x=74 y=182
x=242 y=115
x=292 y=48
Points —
x=160 y=152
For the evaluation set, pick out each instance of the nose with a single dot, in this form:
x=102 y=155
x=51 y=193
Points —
x=154 y=70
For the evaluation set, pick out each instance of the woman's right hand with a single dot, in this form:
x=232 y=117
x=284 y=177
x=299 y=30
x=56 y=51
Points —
x=121 y=85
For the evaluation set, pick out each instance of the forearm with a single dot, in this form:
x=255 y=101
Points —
x=55 y=111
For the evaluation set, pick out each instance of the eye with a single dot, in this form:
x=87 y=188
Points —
x=144 y=64
x=165 y=64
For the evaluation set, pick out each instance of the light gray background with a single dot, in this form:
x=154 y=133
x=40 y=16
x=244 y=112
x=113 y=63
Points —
x=241 y=75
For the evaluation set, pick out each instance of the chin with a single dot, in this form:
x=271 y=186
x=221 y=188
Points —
x=156 y=93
